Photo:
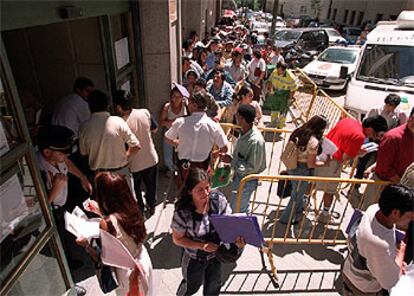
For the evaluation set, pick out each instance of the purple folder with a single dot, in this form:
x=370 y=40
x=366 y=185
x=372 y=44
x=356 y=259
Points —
x=229 y=227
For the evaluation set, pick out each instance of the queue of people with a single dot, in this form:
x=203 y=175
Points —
x=110 y=157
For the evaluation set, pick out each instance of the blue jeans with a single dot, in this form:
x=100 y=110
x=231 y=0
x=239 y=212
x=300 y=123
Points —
x=248 y=189
x=298 y=191
x=168 y=156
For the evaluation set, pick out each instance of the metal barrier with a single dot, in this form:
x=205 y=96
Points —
x=310 y=230
x=309 y=100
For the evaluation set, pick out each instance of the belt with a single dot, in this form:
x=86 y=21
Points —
x=109 y=170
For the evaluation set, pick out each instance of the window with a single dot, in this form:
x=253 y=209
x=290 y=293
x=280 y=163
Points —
x=303 y=9
x=393 y=17
x=351 y=21
x=334 y=14
x=345 y=16
x=360 y=18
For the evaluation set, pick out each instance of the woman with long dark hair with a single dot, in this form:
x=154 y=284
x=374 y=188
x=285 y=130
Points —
x=122 y=218
x=307 y=138
x=193 y=231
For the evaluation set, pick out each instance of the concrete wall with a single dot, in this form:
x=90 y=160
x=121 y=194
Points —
x=158 y=65
x=370 y=8
x=299 y=7
x=199 y=16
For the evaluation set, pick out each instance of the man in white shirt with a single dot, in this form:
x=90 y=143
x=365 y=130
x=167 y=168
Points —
x=143 y=165
x=195 y=135
x=275 y=56
x=103 y=137
x=374 y=263
x=73 y=110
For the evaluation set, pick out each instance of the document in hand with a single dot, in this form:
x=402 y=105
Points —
x=229 y=227
x=114 y=253
x=79 y=225
x=328 y=148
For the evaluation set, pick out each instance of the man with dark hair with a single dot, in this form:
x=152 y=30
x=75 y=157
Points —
x=395 y=154
x=390 y=111
x=73 y=110
x=348 y=135
x=249 y=157
x=195 y=135
x=220 y=89
x=235 y=68
x=103 y=137
x=374 y=263
x=143 y=164
x=394 y=118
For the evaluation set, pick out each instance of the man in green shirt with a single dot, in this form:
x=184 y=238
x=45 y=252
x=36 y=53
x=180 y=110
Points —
x=249 y=157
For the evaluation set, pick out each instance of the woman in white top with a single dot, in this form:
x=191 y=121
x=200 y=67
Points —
x=173 y=109
x=122 y=218
x=257 y=71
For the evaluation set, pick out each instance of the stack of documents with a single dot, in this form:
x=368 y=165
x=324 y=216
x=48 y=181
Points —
x=79 y=225
x=230 y=227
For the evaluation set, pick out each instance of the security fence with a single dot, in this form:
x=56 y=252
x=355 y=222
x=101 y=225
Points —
x=309 y=100
x=311 y=226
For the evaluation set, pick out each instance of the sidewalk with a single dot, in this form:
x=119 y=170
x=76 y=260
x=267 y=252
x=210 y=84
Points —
x=302 y=269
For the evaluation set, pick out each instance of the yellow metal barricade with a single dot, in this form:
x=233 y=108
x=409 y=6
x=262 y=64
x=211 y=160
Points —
x=310 y=229
x=309 y=100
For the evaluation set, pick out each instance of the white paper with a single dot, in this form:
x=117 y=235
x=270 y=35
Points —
x=80 y=226
x=114 y=253
x=328 y=148
x=122 y=52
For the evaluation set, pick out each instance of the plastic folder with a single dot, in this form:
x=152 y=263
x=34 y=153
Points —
x=229 y=227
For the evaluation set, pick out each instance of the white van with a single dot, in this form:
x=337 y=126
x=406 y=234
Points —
x=385 y=66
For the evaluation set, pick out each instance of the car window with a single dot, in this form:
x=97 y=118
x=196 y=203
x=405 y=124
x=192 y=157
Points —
x=306 y=37
x=319 y=36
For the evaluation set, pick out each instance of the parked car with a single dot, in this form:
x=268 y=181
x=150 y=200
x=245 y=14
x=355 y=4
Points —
x=309 y=39
x=334 y=36
x=261 y=27
x=351 y=34
x=333 y=68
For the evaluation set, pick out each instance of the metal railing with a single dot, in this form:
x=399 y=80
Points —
x=309 y=230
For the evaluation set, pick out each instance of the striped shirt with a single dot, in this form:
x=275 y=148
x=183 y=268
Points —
x=197 y=227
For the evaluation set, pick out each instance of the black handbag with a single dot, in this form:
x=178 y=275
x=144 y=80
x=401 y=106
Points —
x=105 y=274
x=231 y=255
x=284 y=187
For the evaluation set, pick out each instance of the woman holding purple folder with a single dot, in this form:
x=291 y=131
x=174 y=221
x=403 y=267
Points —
x=193 y=231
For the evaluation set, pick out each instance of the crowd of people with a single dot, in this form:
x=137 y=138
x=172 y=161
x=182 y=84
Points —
x=87 y=151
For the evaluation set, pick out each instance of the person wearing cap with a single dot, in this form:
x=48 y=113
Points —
x=235 y=68
x=249 y=157
x=176 y=107
x=55 y=143
x=103 y=139
x=221 y=90
x=195 y=135
x=144 y=164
